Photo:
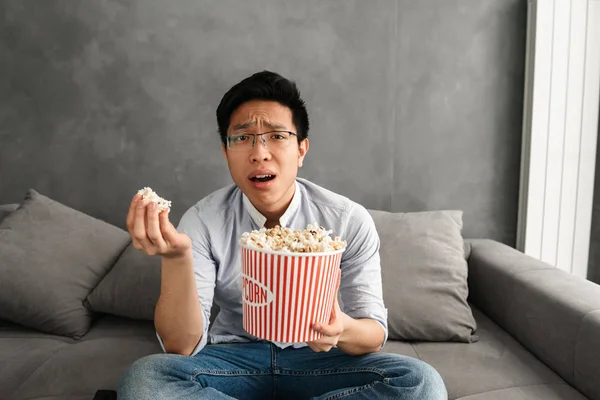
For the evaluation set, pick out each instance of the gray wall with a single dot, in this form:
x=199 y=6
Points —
x=415 y=105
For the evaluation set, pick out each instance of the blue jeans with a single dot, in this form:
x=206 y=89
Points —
x=264 y=371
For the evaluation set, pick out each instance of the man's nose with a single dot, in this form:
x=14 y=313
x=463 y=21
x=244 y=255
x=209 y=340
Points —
x=260 y=152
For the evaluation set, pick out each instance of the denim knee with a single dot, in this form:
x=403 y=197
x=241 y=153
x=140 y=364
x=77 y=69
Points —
x=144 y=378
x=433 y=385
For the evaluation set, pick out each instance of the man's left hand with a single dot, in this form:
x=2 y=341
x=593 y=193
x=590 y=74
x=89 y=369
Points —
x=331 y=332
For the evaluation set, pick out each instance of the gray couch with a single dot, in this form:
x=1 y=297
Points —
x=538 y=332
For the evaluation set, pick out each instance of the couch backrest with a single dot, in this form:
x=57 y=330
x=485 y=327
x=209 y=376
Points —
x=554 y=314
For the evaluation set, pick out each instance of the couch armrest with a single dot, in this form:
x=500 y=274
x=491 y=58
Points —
x=554 y=314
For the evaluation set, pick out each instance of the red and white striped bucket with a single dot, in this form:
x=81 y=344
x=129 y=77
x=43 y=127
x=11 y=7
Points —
x=284 y=294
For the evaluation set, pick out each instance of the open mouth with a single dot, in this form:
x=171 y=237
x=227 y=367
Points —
x=262 y=178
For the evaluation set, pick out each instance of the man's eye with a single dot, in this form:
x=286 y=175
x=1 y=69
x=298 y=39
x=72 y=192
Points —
x=277 y=136
x=240 y=138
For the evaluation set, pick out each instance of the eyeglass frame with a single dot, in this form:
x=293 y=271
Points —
x=254 y=135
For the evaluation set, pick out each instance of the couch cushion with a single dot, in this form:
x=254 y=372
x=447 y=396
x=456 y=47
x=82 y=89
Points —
x=424 y=274
x=131 y=288
x=497 y=361
x=51 y=257
x=19 y=358
x=34 y=365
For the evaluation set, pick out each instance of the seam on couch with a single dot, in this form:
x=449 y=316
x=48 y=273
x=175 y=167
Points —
x=37 y=369
x=577 y=340
x=520 y=386
x=41 y=336
x=59 y=396
x=80 y=341
x=416 y=352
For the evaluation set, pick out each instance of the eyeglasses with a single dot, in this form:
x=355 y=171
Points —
x=272 y=140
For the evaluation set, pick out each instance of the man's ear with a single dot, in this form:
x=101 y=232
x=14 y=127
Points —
x=302 y=150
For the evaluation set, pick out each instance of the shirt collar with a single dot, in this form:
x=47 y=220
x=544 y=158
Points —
x=284 y=220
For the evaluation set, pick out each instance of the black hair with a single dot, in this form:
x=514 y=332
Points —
x=265 y=85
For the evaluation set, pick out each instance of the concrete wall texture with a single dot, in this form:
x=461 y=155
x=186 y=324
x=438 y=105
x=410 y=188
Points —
x=413 y=105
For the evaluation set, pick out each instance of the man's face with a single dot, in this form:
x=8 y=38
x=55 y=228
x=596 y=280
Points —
x=266 y=193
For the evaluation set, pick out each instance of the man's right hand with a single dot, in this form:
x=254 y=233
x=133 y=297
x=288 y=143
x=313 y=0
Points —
x=153 y=232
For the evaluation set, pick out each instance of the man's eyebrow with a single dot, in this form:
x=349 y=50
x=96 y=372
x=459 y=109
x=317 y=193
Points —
x=249 y=124
x=275 y=125
x=244 y=125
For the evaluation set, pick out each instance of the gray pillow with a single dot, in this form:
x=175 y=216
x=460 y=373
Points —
x=131 y=288
x=6 y=209
x=424 y=273
x=51 y=257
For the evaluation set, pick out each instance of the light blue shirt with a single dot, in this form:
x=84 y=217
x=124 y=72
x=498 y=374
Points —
x=216 y=223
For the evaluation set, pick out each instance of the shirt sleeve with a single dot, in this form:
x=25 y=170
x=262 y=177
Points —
x=204 y=269
x=360 y=286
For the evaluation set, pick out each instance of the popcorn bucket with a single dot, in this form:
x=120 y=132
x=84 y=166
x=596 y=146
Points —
x=284 y=294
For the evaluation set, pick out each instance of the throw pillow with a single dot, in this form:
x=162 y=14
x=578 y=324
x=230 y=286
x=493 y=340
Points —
x=131 y=288
x=6 y=209
x=424 y=273
x=51 y=257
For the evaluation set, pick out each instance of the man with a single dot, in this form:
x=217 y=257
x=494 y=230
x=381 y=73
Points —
x=264 y=125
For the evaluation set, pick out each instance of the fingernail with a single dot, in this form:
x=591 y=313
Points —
x=140 y=204
x=152 y=206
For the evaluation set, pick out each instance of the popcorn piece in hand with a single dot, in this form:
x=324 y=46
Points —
x=148 y=193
